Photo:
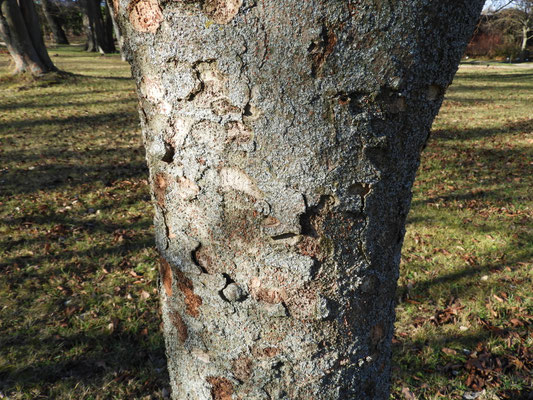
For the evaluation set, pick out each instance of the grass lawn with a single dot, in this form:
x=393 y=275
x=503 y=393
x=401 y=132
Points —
x=79 y=314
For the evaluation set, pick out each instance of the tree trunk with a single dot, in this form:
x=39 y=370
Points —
x=108 y=29
x=90 y=44
x=525 y=33
x=50 y=11
x=116 y=29
x=95 y=28
x=20 y=30
x=283 y=138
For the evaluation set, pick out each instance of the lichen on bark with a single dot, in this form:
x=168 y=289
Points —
x=282 y=141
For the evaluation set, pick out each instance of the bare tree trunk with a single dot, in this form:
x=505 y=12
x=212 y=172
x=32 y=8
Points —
x=283 y=138
x=50 y=11
x=523 y=46
x=90 y=44
x=108 y=30
x=118 y=34
x=20 y=30
x=95 y=28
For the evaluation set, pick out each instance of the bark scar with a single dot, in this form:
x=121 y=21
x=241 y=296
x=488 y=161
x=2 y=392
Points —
x=222 y=11
x=221 y=388
x=321 y=49
x=145 y=15
x=192 y=300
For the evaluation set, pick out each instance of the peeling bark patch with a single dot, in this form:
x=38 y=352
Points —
x=267 y=295
x=166 y=275
x=160 y=188
x=151 y=89
x=223 y=107
x=238 y=180
x=242 y=368
x=192 y=300
x=221 y=388
x=237 y=132
x=222 y=11
x=180 y=326
x=310 y=247
x=145 y=15
x=188 y=189
x=320 y=50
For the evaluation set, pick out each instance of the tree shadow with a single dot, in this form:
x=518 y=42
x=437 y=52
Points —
x=517 y=127
x=443 y=367
x=120 y=354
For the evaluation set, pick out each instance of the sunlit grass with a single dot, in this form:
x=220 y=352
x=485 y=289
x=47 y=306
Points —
x=469 y=244
x=78 y=305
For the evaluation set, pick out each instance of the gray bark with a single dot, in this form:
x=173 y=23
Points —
x=283 y=138
x=20 y=30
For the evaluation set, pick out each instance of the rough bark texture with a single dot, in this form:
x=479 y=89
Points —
x=20 y=30
x=51 y=12
x=283 y=139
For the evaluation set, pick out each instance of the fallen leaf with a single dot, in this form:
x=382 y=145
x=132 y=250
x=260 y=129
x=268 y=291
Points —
x=448 y=351
x=407 y=394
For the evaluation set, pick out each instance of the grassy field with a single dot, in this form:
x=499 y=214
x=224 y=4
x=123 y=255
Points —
x=79 y=312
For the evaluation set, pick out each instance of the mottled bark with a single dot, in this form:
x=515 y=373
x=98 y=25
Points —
x=283 y=139
x=50 y=11
x=20 y=30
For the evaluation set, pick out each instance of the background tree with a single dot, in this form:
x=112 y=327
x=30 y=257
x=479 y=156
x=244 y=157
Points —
x=99 y=31
x=518 y=21
x=283 y=139
x=21 y=31
x=52 y=14
x=509 y=26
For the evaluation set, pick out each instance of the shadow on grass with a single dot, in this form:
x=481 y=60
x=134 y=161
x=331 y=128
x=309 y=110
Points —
x=53 y=176
x=471 y=275
x=63 y=105
x=118 y=118
x=121 y=354
x=499 y=77
x=66 y=273
x=412 y=359
x=525 y=125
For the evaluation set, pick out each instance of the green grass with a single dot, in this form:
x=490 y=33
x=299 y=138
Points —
x=466 y=275
x=78 y=306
